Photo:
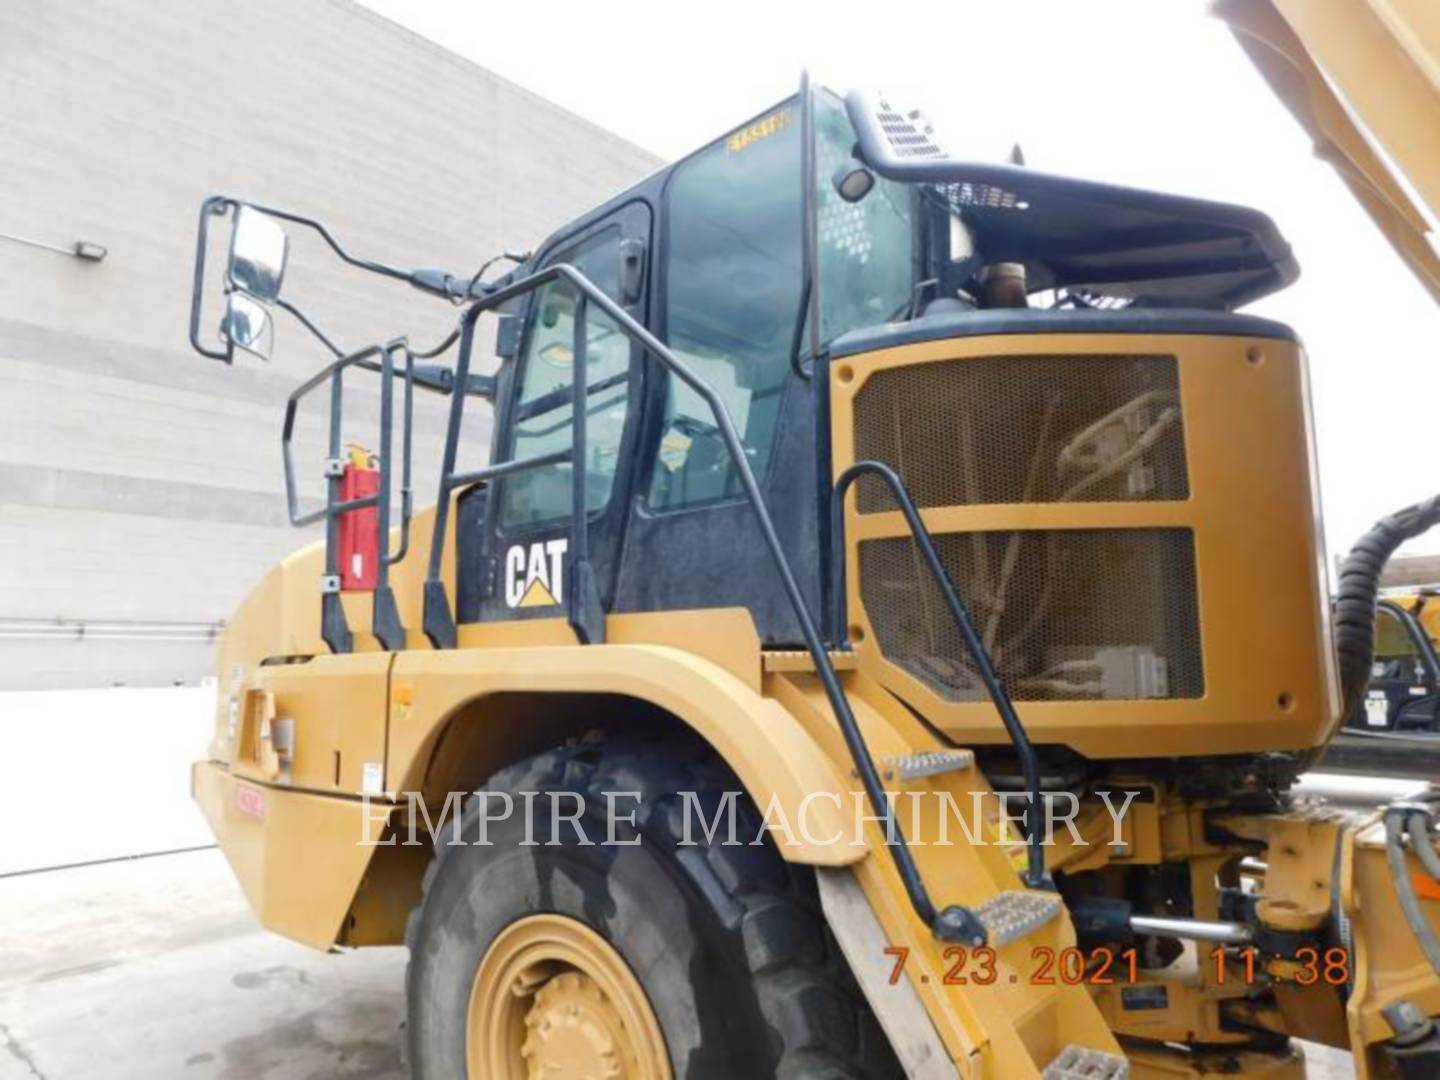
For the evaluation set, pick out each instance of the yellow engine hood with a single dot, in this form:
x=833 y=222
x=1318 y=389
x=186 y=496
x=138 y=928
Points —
x=1363 y=78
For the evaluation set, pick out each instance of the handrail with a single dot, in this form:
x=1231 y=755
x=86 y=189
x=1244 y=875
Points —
x=385 y=620
x=1036 y=875
x=954 y=922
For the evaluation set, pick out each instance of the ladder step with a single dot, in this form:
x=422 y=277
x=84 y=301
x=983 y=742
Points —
x=1014 y=914
x=1083 y=1063
x=928 y=763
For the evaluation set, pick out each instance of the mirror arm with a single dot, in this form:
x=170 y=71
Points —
x=430 y=376
x=215 y=206
x=304 y=321
x=457 y=290
x=331 y=242
x=439 y=283
x=477 y=289
x=482 y=386
x=438 y=377
x=436 y=282
x=435 y=377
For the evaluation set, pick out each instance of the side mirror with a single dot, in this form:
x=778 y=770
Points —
x=247 y=325
x=258 y=249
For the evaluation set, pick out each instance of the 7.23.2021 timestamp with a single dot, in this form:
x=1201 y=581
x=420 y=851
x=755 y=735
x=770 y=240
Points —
x=1048 y=967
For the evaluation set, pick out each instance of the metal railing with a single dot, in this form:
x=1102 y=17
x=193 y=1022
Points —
x=1036 y=875
x=385 y=619
x=583 y=607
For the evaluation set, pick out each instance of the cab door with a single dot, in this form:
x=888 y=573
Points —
x=528 y=515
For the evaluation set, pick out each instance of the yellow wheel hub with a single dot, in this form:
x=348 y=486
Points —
x=553 y=1000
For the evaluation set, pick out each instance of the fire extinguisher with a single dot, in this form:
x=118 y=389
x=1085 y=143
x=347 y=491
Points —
x=359 y=529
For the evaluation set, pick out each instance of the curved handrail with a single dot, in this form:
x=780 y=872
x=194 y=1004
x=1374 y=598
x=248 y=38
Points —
x=952 y=923
x=1036 y=875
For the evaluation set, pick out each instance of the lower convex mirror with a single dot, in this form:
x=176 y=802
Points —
x=247 y=325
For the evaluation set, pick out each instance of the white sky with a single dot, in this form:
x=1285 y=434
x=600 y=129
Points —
x=1152 y=93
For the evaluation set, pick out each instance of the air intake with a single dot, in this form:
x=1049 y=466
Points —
x=1021 y=429
x=1068 y=614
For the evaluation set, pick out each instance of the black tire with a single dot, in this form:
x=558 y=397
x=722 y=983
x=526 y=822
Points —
x=749 y=984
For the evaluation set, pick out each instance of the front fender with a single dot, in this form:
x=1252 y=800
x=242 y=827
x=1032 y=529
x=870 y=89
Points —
x=775 y=758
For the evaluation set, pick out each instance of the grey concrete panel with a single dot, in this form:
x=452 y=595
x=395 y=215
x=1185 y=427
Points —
x=138 y=480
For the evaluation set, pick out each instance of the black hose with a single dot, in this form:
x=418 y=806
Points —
x=1358 y=588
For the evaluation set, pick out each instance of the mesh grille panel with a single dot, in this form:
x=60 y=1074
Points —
x=1081 y=614
x=1025 y=429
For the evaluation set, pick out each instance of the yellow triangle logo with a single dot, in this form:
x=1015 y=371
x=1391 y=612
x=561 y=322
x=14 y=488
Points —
x=537 y=595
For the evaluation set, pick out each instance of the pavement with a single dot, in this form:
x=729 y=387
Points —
x=118 y=967
x=154 y=969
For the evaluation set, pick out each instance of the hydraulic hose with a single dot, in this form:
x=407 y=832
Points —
x=1418 y=825
x=1358 y=588
x=1414 y=819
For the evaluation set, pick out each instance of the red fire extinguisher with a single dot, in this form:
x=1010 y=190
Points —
x=359 y=529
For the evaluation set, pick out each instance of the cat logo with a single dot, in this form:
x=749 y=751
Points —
x=535 y=574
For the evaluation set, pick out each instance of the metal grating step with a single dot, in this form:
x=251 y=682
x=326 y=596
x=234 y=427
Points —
x=927 y=763
x=1014 y=914
x=1083 y=1063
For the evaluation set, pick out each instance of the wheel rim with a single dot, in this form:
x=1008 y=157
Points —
x=553 y=1000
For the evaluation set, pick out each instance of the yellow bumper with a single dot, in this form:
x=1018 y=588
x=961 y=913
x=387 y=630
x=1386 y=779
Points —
x=299 y=856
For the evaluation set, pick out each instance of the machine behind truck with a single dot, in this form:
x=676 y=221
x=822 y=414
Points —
x=848 y=663
x=1404 y=692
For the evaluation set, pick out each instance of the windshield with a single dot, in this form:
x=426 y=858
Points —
x=734 y=269
x=865 y=250
x=733 y=284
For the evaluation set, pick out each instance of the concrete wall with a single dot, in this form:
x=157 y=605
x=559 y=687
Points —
x=139 y=483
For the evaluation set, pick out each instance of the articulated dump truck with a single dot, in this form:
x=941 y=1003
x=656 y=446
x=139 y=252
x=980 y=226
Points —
x=848 y=663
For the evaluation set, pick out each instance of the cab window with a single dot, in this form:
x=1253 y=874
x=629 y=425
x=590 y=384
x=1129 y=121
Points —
x=733 y=283
x=543 y=410
x=865 y=251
